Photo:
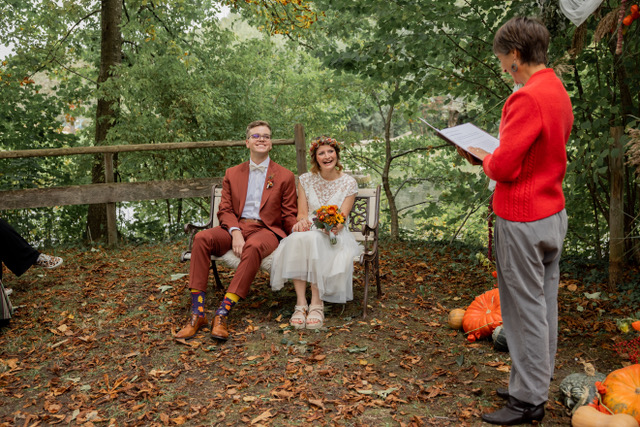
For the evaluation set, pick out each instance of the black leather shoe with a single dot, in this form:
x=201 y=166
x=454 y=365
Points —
x=502 y=393
x=516 y=412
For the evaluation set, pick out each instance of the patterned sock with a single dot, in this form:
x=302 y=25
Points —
x=197 y=302
x=227 y=304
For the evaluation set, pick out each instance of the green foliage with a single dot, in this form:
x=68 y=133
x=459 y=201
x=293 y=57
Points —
x=183 y=77
x=439 y=195
x=443 y=49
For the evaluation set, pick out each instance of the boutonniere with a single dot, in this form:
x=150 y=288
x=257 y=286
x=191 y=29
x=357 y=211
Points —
x=270 y=181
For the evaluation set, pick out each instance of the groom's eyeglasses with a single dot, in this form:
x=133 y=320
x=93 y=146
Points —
x=258 y=136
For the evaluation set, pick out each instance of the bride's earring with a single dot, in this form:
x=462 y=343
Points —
x=514 y=67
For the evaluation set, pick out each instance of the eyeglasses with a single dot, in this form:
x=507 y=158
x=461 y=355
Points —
x=258 y=136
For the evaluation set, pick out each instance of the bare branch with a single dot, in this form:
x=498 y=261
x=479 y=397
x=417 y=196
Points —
x=75 y=72
x=299 y=41
x=51 y=54
x=413 y=205
x=413 y=150
x=462 y=77
x=367 y=161
x=125 y=10
x=473 y=209
x=165 y=26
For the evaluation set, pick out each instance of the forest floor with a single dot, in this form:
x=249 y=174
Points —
x=91 y=344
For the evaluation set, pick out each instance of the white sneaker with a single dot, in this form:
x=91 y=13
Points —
x=48 y=261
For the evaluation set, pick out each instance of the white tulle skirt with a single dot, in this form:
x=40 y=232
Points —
x=309 y=256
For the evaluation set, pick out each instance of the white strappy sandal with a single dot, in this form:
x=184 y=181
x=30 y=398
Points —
x=299 y=317
x=316 y=313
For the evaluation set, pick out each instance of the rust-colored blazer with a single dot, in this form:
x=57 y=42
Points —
x=278 y=208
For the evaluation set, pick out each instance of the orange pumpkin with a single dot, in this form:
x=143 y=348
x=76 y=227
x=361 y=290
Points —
x=482 y=316
x=622 y=395
x=455 y=318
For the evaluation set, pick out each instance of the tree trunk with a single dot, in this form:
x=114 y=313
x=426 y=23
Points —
x=110 y=56
x=616 y=209
x=616 y=169
x=393 y=209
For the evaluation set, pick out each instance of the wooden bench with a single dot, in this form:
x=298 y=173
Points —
x=363 y=223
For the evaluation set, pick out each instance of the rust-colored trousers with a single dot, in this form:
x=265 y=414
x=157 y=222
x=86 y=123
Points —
x=259 y=243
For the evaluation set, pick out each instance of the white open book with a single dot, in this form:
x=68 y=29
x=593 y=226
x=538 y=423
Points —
x=467 y=135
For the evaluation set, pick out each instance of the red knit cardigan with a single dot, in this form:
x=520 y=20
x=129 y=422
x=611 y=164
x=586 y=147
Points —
x=531 y=161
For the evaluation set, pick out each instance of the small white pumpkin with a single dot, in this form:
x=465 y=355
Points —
x=455 y=318
x=588 y=416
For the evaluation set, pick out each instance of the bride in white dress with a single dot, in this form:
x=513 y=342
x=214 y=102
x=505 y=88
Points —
x=307 y=255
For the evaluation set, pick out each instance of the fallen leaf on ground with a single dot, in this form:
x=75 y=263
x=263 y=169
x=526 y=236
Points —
x=264 y=416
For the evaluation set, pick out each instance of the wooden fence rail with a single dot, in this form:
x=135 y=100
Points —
x=110 y=192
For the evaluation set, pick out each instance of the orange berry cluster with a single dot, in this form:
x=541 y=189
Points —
x=635 y=14
x=631 y=348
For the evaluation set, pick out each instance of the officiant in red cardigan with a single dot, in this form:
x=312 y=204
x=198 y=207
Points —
x=528 y=167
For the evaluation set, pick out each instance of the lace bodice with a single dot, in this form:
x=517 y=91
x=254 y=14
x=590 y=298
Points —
x=321 y=192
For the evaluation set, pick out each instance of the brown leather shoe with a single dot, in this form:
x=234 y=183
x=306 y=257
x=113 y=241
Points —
x=219 y=329
x=192 y=327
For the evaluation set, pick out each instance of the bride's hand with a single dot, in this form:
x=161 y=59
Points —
x=302 y=225
x=335 y=230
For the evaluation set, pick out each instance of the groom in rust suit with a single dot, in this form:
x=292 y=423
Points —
x=257 y=210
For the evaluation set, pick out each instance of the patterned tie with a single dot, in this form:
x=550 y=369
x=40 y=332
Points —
x=257 y=168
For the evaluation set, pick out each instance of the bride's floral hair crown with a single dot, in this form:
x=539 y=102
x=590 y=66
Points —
x=324 y=140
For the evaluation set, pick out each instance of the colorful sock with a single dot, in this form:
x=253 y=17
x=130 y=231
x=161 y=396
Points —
x=197 y=302
x=227 y=304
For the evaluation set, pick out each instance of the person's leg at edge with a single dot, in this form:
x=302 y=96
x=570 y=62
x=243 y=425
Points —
x=15 y=252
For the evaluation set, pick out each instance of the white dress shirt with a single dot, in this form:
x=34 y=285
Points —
x=254 y=191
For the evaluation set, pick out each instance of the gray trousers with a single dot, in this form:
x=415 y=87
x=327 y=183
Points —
x=527 y=259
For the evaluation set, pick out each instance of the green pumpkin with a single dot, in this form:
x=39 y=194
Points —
x=499 y=339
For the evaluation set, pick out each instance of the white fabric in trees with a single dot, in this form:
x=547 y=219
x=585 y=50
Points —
x=578 y=10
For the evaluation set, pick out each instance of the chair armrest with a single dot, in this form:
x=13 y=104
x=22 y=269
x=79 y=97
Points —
x=370 y=242
x=185 y=256
x=191 y=229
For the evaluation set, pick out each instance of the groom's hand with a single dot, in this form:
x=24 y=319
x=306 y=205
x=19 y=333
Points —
x=302 y=225
x=237 y=243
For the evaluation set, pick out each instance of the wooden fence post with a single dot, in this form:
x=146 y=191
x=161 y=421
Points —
x=301 y=148
x=112 y=227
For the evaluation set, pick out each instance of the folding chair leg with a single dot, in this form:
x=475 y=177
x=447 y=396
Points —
x=376 y=271
x=214 y=267
x=366 y=290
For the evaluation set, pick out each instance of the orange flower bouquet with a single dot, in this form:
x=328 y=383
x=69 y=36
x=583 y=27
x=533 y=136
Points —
x=328 y=217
